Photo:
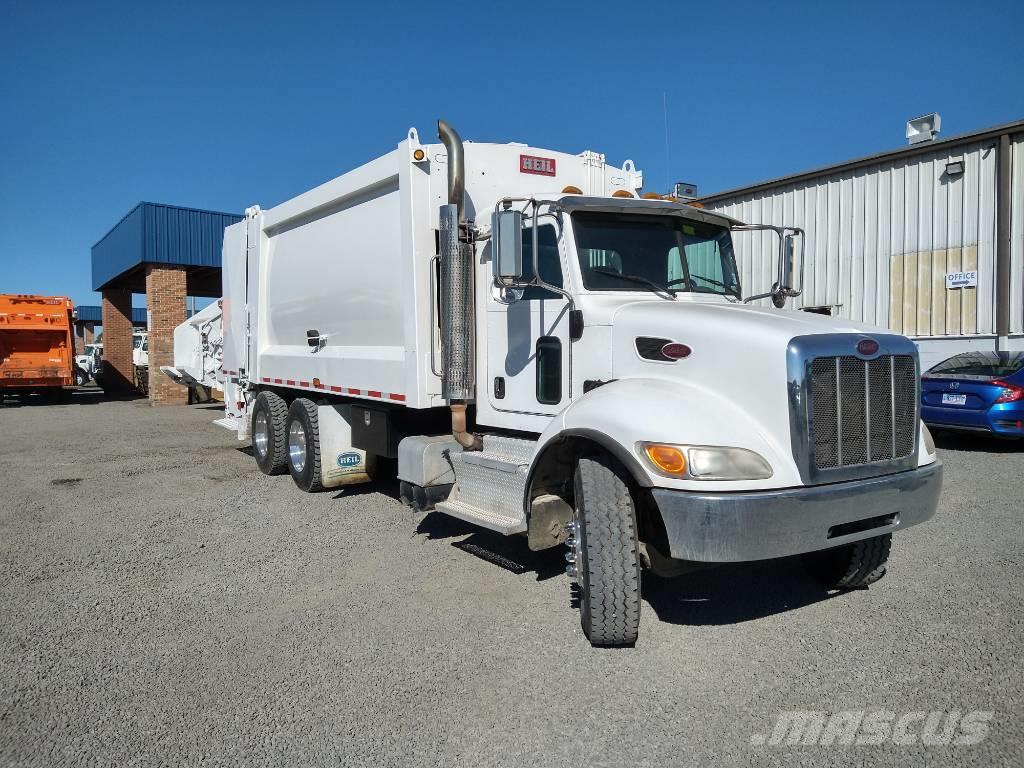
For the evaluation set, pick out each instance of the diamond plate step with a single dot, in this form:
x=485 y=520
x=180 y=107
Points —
x=494 y=521
x=489 y=484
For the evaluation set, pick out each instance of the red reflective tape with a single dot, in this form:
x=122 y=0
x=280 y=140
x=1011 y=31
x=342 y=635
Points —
x=399 y=398
x=290 y=382
x=278 y=381
x=303 y=383
x=266 y=380
x=353 y=391
x=318 y=385
x=335 y=389
x=373 y=393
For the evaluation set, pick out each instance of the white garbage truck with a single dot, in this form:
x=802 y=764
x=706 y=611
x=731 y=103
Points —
x=543 y=350
x=199 y=350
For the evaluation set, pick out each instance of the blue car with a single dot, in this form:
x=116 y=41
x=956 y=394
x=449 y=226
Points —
x=977 y=391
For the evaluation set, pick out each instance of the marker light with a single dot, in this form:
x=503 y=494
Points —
x=667 y=458
x=571 y=190
x=418 y=154
x=621 y=193
x=652 y=196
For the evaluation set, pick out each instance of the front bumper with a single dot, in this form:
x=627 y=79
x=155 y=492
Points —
x=734 y=527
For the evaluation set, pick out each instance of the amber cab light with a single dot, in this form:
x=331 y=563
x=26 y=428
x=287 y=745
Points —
x=667 y=458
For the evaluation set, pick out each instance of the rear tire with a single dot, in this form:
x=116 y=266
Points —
x=81 y=377
x=609 y=558
x=304 y=445
x=269 y=442
x=851 y=566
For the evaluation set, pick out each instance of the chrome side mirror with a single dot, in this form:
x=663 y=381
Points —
x=507 y=240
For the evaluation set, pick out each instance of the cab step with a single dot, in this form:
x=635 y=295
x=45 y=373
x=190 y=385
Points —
x=490 y=484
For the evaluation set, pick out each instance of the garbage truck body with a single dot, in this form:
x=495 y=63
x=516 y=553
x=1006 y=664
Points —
x=198 y=350
x=543 y=350
x=37 y=344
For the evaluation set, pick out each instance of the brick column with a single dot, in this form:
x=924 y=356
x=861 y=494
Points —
x=118 y=371
x=165 y=301
x=89 y=332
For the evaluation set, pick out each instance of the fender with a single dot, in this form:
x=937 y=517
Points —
x=621 y=413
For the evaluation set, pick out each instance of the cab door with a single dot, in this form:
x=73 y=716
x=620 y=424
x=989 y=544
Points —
x=528 y=349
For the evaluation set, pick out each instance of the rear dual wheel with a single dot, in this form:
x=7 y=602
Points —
x=304 y=445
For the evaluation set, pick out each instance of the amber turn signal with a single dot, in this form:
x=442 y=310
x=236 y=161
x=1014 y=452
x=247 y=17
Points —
x=667 y=458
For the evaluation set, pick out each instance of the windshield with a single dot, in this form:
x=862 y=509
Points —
x=626 y=252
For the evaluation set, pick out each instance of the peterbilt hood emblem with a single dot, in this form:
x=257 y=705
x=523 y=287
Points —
x=867 y=347
x=954 y=385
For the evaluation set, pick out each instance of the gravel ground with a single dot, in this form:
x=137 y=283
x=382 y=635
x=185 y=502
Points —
x=163 y=603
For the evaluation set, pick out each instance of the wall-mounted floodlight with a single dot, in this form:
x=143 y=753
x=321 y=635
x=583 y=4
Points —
x=955 y=167
x=924 y=128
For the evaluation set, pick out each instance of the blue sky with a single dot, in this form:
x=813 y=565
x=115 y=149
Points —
x=222 y=105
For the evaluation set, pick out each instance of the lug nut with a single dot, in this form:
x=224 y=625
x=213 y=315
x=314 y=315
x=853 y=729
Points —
x=570 y=557
x=570 y=571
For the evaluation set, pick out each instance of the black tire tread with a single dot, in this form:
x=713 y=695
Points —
x=852 y=566
x=307 y=406
x=277 y=410
x=610 y=562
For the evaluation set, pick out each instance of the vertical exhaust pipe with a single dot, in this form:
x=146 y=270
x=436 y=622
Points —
x=456 y=293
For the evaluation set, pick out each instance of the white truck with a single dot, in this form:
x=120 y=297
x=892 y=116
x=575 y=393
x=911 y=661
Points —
x=199 y=350
x=546 y=352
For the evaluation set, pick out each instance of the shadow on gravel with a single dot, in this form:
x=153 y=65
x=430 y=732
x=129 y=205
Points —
x=733 y=593
x=72 y=397
x=508 y=552
x=976 y=442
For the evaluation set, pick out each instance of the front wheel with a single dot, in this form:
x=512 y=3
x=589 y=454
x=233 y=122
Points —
x=603 y=544
x=851 y=566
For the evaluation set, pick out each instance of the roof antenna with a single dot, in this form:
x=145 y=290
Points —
x=664 y=110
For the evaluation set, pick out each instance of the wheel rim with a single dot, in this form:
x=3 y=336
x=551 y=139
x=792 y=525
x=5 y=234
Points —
x=261 y=434
x=297 y=446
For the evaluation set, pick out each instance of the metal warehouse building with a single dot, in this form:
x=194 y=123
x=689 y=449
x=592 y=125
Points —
x=883 y=232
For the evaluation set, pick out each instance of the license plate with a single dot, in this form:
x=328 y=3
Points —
x=954 y=399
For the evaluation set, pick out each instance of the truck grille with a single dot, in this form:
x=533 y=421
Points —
x=862 y=411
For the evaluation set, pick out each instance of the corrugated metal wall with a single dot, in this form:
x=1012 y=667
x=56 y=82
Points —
x=1017 y=235
x=162 y=234
x=880 y=239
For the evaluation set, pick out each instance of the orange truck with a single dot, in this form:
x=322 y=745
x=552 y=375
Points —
x=37 y=345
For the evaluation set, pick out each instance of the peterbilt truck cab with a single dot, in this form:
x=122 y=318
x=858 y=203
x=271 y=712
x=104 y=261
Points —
x=611 y=387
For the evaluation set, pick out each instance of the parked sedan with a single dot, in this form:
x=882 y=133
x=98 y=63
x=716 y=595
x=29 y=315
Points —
x=978 y=391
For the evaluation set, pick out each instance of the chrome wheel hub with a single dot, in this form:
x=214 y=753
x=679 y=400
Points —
x=572 y=556
x=261 y=434
x=297 y=446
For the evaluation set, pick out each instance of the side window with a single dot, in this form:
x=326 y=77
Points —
x=549 y=263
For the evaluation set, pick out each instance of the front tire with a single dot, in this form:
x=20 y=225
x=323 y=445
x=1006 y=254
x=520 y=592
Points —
x=608 y=567
x=851 y=566
x=269 y=445
x=304 y=445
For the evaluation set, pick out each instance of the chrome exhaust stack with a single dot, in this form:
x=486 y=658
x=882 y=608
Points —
x=456 y=293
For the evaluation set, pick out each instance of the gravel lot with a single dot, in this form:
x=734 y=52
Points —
x=163 y=603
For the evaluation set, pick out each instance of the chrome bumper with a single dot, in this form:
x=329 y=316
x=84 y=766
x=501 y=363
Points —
x=734 y=527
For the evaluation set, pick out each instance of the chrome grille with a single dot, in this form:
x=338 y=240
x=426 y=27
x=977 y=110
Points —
x=862 y=411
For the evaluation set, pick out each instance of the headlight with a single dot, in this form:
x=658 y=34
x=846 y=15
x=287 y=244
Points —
x=929 y=441
x=704 y=462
